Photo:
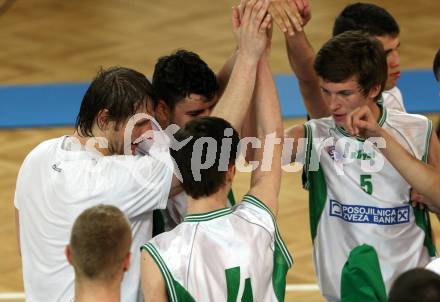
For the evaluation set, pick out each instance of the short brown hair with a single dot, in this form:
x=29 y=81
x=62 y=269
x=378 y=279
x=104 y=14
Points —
x=99 y=242
x=212 y=178
x=353 y=53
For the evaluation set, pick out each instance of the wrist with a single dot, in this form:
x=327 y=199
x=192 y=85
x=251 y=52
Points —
x=247 y=60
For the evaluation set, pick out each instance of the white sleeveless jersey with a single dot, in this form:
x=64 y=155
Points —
x=351 y=205
x=177 y=207
x=232 y=254
x=392 y=99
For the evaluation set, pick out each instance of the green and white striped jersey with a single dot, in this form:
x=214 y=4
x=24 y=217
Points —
x=231 y=254
x=352 y=201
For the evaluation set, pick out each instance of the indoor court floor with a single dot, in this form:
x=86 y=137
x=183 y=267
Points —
x=52 y=41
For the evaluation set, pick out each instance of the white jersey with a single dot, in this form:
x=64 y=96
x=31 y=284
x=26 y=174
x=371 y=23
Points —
x=392 y=99
x=224 y=255
x=352 y=204
x=176 y=211
x=55 y=184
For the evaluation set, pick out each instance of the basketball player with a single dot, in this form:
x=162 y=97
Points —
x=427 y=179
x=187 y=88
x=99 y=272
x=220 y=253
x=63 y=176
x=369 y=18
x=351 y=202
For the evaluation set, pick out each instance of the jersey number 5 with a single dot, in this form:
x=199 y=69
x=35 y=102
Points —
x=366 y=184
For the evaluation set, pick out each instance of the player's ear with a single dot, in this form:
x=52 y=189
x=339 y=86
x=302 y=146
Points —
x=162 y=112
x=102 y=119
x=126 y=262
x=230 y=173
x=68 y=253
x=374 y=91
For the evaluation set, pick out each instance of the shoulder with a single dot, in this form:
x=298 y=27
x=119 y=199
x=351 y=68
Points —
x=46 y=150
x=393 y=99
x=255 y=211
x=403 y=119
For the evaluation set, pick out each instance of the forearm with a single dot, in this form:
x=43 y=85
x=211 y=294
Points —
x=423 y=178
x=267 y=107
x=301 y=58
x=225 y=73
x=234 y=103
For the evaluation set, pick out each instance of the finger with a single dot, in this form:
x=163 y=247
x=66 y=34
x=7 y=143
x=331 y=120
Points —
x=349 y=123
x=247 y=10
x=241 y=8
x=277 y=17
x=287 y=26
x=262 y=14
x=235 y=18
x=294 y=16
x=256 y=18
x=299 y=4
x=265 y=24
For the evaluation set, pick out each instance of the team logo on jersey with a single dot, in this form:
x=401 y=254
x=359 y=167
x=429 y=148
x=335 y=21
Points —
x=367 y=214
x=334 y=154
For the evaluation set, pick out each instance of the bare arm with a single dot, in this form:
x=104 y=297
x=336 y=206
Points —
x=153 y=284
x=225 y=73
x=301 y=58
x=241 y=84
x=266 y=178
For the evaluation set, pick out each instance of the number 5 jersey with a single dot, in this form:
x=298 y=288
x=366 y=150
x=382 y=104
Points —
x=357 y=197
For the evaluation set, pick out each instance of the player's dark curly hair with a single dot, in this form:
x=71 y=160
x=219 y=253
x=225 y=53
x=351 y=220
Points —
x=353 y=53
x=178 y=75
x=369 y=18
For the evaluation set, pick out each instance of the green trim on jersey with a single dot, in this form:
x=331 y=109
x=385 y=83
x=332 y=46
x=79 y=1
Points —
x=422 y=215
x=231 y=198
x=315 y=183
x=282 y=260
x=208 y=216
x=424 y=222
x=427 y=142
x=361 y=277
x=381 y=121
x=176 y=292
x=278 y=240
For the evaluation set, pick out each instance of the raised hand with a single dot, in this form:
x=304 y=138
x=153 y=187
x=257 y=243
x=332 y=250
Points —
x=253 y=29
x=286 y=15
x=237 y=15
x=304 y=10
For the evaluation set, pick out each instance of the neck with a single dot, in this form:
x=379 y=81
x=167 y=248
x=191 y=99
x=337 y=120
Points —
x=210 y=203
x=375 y=109
x=92 y=142
x=89 y=291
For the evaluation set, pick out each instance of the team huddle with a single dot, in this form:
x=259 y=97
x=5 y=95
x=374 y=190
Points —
x=141 y=193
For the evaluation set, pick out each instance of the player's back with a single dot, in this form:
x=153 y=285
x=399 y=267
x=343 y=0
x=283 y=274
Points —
x=224 y=255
